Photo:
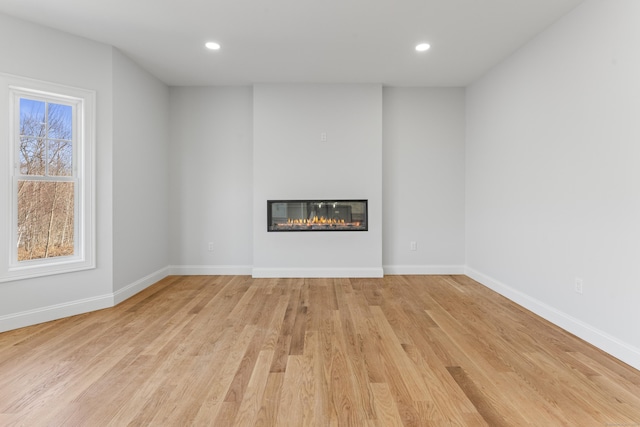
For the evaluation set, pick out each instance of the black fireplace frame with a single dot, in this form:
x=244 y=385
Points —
x=363 y=223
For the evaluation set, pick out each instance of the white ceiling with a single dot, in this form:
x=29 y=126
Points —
x=324 y=41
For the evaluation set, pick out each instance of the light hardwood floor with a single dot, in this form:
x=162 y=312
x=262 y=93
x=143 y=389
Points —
x=231 y=350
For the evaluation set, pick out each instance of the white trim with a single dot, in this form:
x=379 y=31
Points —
x=140 y=285
x=423 y=269
x=54 y=312
x=211 y=270
x=81 y=306
x=84 y=118
x=316 y=272
x=608 y=343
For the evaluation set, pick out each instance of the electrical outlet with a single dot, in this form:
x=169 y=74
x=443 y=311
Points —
x=210 y=246
x=413 y=246
x=578 y=286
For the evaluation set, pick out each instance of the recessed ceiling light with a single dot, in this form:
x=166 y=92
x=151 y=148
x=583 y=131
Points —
x=423 y=47
x=212 y=45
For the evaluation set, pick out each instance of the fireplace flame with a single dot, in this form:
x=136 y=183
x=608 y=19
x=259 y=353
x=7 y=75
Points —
x=315 y=220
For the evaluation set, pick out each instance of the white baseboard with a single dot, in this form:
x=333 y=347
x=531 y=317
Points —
x=423 y=269
x=316 y=272
x=211 y=270
x=610 y=344
x=140 y=285
x=81 y=306
x=54 y=312
x=615 y=347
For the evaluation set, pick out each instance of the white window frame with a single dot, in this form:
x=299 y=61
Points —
x=83 y=177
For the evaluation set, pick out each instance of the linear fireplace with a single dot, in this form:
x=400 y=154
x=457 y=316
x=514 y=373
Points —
x=317 y=215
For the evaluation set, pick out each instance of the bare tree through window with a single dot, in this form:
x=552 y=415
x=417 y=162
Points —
x=45 y=185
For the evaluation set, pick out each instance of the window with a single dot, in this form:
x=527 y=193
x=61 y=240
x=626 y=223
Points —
x=51 y=179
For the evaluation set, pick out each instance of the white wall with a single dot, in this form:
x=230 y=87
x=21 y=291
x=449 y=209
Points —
x=553 y=175
x=140 y=177
x=423 y=180
x=291 y=162
x=212 y=153
x=37 y=52
x=211 y=180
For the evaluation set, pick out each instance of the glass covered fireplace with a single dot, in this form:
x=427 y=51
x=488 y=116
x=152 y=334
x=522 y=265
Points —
x=317 y=215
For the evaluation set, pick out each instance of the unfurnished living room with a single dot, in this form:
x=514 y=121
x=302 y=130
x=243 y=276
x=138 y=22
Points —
x=349 y=213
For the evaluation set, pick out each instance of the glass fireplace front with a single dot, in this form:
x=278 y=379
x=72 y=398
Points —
x=317 y=215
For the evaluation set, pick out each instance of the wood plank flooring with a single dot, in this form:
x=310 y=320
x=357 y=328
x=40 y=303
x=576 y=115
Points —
x=236 y=351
